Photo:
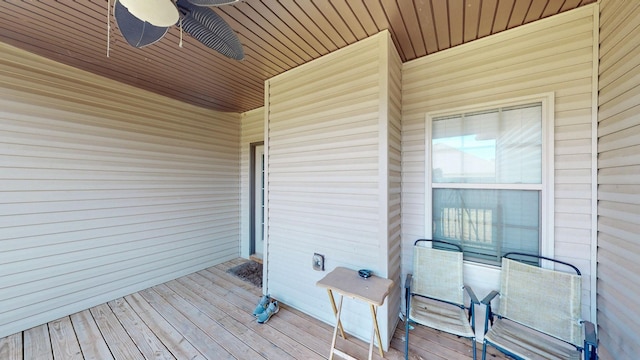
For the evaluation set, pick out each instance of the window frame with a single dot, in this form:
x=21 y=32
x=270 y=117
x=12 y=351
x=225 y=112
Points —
x=546 y=187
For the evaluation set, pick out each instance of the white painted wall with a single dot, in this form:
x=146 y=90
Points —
x=551 y=55
x=104 y=189
x=333 y=182
x=619 y=180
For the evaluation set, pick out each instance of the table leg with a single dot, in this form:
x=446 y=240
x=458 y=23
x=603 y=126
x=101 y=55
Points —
x=335 y=312
x=335 y=330
x=376 y=332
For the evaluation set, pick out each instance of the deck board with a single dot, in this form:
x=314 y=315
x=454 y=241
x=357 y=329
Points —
x=64 y=343
x=92 y=344
x=206 y=315
x=120 y=343
x=37 y=344
x=11 y=347
x=143 y=336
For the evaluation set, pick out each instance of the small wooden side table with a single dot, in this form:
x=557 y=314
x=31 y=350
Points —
x=372 y=290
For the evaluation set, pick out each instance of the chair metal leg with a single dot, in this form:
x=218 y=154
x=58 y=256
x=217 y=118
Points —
x=484 y=349
x=473 y=348
x=406 y=339
x=406 y=326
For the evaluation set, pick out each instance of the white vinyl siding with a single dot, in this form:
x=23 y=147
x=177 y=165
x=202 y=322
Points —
x=552 y=55
x=393 y=97
x=330 y=182
x=619 y=180
x=104 y=189
x=252 y=131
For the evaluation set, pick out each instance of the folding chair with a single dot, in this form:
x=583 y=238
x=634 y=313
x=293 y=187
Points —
x=539 y=312
x=434 y=294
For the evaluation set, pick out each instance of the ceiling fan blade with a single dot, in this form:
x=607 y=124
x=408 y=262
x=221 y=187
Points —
x=136 y=32
x=210 y=29
x=155 y=12
x=212 y=2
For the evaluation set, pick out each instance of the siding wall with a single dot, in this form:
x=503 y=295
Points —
x=619 y=180
x=104 y=189
x=393 y=98
x=552 y=55
x=330 y=183
x=252 y=131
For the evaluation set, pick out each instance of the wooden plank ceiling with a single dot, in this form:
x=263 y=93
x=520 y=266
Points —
x=277 y=35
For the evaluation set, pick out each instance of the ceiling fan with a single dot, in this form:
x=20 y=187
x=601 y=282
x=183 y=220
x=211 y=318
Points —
x=144 y=22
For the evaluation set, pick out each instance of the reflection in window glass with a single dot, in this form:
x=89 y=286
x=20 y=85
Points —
x=487 y=223
x=495 y=156
x=499 y=146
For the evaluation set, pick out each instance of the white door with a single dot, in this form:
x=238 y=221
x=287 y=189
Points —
x=258 y=201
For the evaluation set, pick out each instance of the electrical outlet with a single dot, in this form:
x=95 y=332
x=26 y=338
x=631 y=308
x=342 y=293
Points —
x=318 y=262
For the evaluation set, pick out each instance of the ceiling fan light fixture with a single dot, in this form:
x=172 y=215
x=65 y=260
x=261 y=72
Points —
x=138 y=19
x=161 y=13
x=204 y=25
x=136 y=32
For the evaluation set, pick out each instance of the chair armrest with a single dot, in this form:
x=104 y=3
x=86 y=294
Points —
x=472 y=295
x=407 y=299
x=488 y=316
x=590 y=333
x=590 y=341
x=407 y=281
x=487 y=299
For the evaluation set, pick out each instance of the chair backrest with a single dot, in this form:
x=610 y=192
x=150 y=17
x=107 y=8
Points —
x=543 y=299
x=438 y=274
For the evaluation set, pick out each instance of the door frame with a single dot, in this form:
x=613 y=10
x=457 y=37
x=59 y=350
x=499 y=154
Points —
x=252 y=196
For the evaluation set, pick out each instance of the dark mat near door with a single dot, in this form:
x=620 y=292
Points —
x=250 y=271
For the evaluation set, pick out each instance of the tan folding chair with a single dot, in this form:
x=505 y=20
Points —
x=539 y=312
x=434 y=293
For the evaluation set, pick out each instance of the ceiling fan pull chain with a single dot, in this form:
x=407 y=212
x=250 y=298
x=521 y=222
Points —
x=180 y=44
x=108 y=26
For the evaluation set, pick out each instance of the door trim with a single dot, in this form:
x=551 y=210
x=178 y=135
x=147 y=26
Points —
x=252 y=195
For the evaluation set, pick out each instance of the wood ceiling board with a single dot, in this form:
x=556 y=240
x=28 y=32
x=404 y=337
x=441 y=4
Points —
x=503 y=15
x=335 y=20
x=322 y=22
x=520 y=10
x=282 y=29
x=427 y=25
x=456 y=13
x=398 y=28
x=441 y=17
x=254 y=22
x=364 y=17
x=378 y=16
x=309 y=24
x=300 y=25
x=535 y=10
x=410 y=18
x=81 y=50
x=471 y=19
x=487 y=16
x=266 y=58
x=343 y=9
x=553 y=7
x=570 y=4
x=276 y=35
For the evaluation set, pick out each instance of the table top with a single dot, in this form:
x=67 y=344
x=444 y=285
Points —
x=348 y=283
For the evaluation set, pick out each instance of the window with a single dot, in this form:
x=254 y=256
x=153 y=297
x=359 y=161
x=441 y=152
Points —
x=489 y=177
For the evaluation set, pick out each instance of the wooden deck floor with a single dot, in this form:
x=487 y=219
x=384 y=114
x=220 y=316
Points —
x=205 y=315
